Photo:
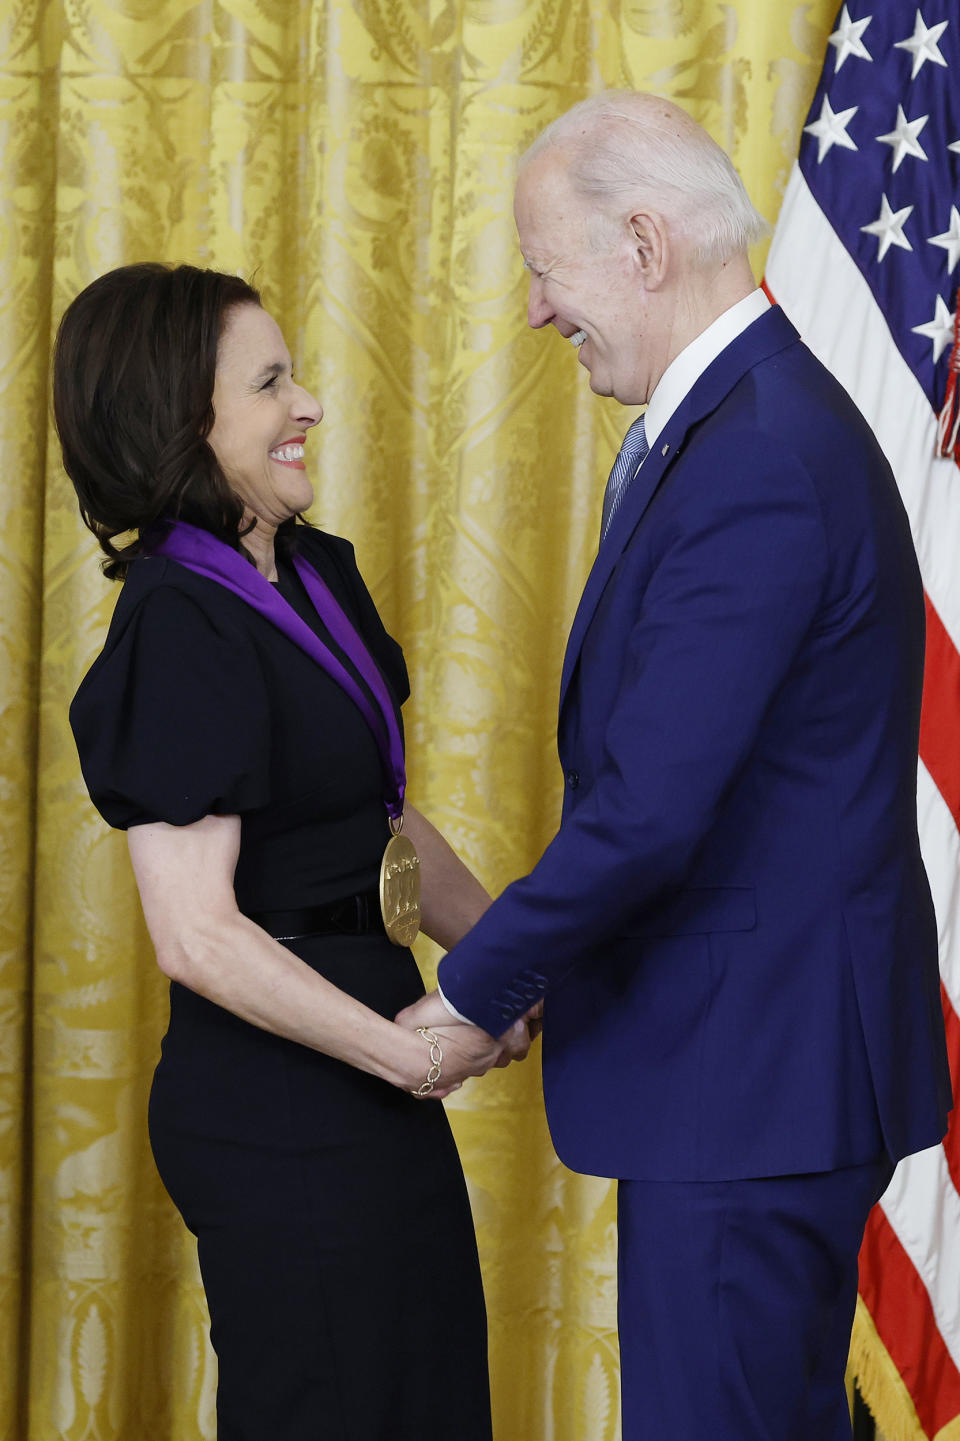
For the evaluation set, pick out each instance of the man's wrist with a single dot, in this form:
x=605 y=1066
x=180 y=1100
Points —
x=453 y=1010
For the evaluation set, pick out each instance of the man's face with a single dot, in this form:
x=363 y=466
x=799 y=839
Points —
x=585 y=278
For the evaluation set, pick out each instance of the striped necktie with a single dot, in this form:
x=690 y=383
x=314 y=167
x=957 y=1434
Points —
x=631 y=453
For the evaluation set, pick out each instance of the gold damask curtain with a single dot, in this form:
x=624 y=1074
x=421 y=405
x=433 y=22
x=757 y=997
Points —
x=357 y=158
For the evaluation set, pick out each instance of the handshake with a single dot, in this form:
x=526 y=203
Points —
x=465 y=1050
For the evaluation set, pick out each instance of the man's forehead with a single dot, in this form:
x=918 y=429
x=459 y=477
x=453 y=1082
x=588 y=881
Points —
x=544 y=194
x=545 y=172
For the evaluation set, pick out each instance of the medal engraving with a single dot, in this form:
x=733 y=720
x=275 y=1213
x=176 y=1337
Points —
x=400 y=891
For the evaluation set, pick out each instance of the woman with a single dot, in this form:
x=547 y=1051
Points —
x=252 y=752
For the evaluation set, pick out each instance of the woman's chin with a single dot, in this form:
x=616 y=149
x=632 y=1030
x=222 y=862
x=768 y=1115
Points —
x=299 y=497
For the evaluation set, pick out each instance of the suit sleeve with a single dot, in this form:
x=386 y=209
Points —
x=735 y=590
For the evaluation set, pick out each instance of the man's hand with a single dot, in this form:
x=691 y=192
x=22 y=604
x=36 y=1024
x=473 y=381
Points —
x=534 y=1020
x=467 y=1050
x=429 y=1011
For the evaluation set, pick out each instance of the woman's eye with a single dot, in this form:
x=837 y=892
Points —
x=268 y=383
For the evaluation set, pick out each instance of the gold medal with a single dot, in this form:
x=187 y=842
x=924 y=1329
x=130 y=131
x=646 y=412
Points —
x=400 y=889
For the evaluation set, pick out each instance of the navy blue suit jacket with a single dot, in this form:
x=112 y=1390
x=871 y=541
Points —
x=732 y=928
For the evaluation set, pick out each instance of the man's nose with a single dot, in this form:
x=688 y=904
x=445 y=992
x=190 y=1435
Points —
x=539 y=313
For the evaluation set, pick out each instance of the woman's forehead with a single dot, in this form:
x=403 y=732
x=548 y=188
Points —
x=251 y=337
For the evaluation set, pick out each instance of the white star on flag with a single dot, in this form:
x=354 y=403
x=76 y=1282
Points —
x=955 y=147
x=888 y=228
x=922 y=44
x=847 y=37
x=903 y=138
x=831 y=129
x=950 y=240
x=939 y=330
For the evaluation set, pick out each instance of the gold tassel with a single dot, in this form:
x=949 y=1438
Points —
x=881 y=1385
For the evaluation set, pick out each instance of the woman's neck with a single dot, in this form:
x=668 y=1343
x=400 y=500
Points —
x=259 y=542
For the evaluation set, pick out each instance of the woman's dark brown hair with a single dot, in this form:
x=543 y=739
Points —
x=133 y=373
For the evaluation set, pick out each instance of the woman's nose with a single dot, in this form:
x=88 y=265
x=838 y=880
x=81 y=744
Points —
x=307 y=409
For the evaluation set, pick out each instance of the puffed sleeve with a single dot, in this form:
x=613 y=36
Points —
x=382 y=646
x=172 y=721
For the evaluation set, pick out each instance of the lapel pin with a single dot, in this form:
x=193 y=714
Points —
x=665 y=449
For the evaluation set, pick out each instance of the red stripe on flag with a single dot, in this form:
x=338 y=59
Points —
x=898 y=1302
x=889 y=1282
x=767 y=291
x=951 y=1143
x=941 y=706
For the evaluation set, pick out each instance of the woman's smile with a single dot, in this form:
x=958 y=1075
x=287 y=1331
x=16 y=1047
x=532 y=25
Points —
x=290 y=453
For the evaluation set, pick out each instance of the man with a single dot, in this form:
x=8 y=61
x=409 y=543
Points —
x=732 y=930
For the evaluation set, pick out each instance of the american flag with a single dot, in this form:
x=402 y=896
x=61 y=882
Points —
x=865 y=262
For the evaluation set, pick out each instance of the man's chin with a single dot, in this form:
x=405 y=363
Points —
x=598 y=385
x=625 y=393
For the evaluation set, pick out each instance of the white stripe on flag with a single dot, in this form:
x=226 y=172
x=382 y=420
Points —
x=940 y=845
x=923 y=1208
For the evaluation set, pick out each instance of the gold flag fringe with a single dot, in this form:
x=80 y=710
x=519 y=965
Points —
x=882 y=1387
x=948 y=425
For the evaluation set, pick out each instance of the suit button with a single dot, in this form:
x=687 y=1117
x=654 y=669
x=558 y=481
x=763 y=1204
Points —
x=573 y=779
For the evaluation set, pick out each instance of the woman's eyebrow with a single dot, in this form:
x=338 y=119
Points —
x=277 y=367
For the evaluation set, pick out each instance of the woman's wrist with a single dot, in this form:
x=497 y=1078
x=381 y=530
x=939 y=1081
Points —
x=408 y=1060
x=432 y=1079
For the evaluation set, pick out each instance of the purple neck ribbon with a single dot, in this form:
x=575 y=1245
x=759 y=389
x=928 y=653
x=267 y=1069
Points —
x=203 y=553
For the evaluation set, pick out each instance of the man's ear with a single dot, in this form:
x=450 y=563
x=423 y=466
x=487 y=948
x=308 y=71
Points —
x=652 y=243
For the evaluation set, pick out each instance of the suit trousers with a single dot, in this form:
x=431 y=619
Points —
x=736 y=1304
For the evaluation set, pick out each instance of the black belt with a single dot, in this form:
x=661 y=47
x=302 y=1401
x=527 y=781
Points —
x=358 y=915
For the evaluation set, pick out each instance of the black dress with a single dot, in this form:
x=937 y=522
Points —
x=334 y=1232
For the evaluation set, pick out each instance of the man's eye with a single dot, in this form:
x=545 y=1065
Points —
x=267 y=383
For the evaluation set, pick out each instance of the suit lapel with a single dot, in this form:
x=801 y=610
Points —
x=767 y=335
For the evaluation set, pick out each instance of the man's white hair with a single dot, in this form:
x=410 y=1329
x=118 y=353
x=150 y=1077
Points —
x=627 y=147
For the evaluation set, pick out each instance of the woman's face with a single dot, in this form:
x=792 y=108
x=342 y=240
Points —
x=261 y=418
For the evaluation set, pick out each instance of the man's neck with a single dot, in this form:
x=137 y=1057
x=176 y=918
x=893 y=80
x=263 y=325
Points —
x=690 y=362
x=706 y=294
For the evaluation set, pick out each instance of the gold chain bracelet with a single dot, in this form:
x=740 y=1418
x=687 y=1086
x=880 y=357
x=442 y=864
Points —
x=436 y=1061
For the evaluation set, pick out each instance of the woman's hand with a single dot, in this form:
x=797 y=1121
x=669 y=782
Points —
x=467 y=1050
x=464 y=1050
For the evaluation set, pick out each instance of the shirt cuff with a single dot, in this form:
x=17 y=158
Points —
x=453 y=1010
